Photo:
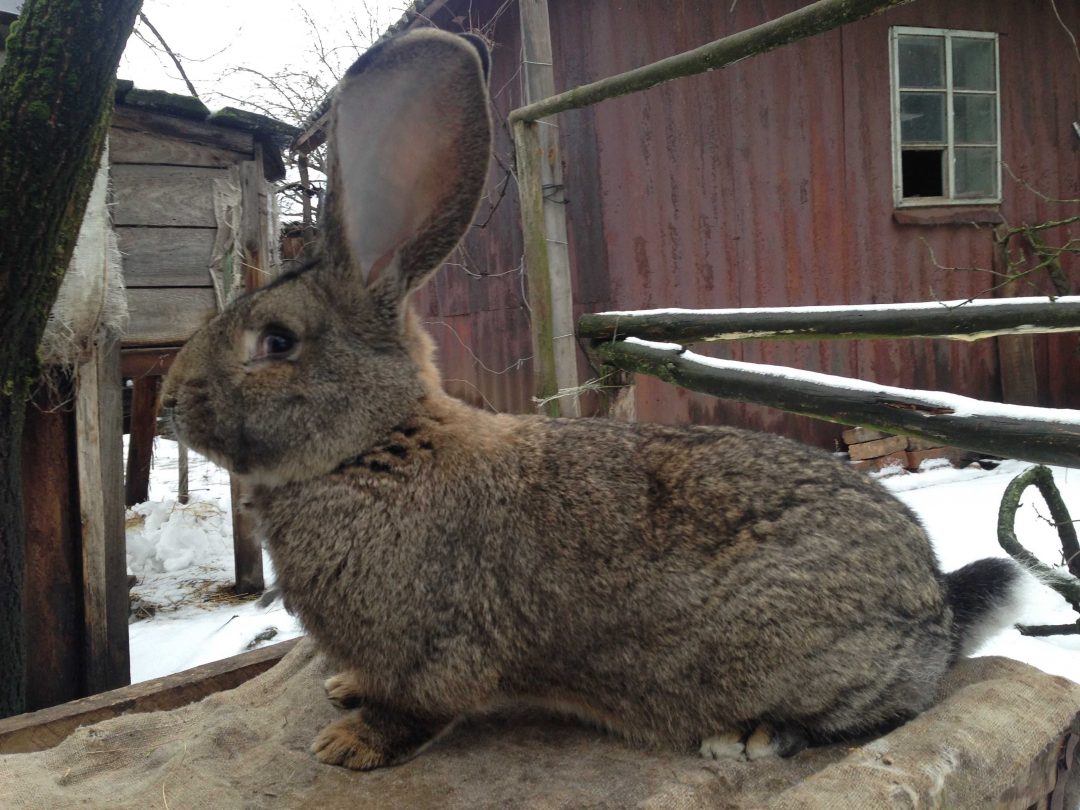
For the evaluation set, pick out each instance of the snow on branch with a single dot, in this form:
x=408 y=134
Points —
x=1043 y=435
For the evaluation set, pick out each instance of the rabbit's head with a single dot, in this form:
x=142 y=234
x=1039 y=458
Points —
x=294 y=378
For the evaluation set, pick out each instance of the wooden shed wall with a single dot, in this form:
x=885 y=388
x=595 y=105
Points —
x=768 y=183
x=163 y=170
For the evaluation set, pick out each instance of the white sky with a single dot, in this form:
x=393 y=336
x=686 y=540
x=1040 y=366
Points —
x=214 y=36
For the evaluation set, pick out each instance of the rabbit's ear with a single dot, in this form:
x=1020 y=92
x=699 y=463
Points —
x=410 y=141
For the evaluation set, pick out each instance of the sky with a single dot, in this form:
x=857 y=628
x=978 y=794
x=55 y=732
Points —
x=216 y=37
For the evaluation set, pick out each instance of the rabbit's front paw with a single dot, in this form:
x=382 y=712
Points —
x=347 y=742
x=344 y=690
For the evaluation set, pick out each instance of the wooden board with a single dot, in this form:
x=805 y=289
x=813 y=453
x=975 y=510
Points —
x=52 y=594
x=166 y=316
x=36 y=731
x=136 y=363
x=130 y=146
x=166 y=257
x=164 y=195
x=127 y=118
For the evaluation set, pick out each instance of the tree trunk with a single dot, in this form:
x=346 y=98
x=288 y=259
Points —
x=56 y=92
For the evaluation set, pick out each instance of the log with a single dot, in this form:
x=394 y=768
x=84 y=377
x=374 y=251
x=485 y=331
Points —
x=955 y=320
x=144 y=409
x=815 y=18
x=1042 y=435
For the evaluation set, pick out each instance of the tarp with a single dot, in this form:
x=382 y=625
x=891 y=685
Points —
x=995 y=740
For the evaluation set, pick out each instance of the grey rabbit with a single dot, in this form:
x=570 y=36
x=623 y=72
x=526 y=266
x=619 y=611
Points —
x=697 y=588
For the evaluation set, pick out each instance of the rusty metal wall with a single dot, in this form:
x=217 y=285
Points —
x=768 y=183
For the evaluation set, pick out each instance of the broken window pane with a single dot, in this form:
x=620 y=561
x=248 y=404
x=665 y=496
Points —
x=922 y=117
x=923 y=172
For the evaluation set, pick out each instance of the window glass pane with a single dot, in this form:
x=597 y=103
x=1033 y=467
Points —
x=921 y=61
x=922 y=117
x=976 y=172
x=973 y=64
x=974 y=118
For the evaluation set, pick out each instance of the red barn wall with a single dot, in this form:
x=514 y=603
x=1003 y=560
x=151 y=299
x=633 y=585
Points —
x=768 y=183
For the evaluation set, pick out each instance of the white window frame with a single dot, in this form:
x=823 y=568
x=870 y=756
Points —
x=950 y=160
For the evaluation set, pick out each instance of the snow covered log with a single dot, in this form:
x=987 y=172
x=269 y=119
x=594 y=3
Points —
x=1044 y=435
x=956 y=320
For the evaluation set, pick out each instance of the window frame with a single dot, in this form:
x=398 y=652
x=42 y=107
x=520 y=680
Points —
x=897 y=31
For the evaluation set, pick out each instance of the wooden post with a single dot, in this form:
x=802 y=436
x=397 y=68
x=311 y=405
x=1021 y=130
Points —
x=144 y=407
x=183 y=494
x=539 y=83
x=531 y=194
x=52 y=589
x=255 y=241
x=1016 y=353
x=104 y=569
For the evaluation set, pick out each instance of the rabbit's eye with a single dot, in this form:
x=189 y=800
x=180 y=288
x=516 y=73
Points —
x=276 y=343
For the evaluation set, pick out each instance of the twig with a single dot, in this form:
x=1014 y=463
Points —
x=176 y=60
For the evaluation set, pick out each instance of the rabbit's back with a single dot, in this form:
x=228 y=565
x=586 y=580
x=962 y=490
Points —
x=669 y=578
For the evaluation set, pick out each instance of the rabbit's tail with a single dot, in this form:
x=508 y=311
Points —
x=985 y=597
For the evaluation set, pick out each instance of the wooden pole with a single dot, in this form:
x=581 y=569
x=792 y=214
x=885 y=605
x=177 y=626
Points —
x=539 y=83
x=144 y=408
x=1042 y=435
x=815 y=18
x=974 y=320
x=183 y=493
x=531 y=193
x=92 y=517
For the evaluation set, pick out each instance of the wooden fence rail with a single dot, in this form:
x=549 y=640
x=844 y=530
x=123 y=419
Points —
x=955 y=320
x=1043 y=435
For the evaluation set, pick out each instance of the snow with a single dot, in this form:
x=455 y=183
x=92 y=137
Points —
x=967 y=304
x=182 y=556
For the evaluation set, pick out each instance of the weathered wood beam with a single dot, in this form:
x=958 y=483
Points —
x=539 y=82
x=812 y=19
x=531 y=195
x=1043 y=435
x=36 y=731
x=954 y=320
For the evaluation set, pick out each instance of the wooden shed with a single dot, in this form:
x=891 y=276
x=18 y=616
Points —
x=779 y=181
x=192 y=206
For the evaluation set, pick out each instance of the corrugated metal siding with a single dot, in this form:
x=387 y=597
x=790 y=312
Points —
x=768 y=183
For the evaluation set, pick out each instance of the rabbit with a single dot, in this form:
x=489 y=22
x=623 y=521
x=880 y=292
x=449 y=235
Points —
x=688 y=588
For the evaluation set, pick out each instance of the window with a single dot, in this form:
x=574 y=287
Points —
x=945 y=114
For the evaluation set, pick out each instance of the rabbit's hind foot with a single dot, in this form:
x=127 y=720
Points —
x=374 y=737
x=764 y=742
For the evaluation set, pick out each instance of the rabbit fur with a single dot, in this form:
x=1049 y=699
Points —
x=679 y=586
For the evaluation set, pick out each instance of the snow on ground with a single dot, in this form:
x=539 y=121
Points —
x=186 y=615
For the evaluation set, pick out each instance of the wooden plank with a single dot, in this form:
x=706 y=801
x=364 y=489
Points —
x=52 y=606
x=166 y=316
x=155 y=123
x=164 y=195
x=37 y=731
x=92 y=515
x=144 y=409
x=539 y=83
x=133 y=146
x=1042 y=435
x=117 y=602
x=142 y=362
x=166 y=257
